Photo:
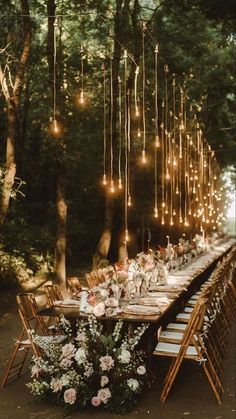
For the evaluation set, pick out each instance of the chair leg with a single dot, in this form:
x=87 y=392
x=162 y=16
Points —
x=14 y=369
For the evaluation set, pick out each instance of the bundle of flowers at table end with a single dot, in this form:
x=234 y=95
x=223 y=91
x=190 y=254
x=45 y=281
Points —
x=92 y=369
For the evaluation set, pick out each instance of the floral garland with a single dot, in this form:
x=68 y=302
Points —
x=92 y=369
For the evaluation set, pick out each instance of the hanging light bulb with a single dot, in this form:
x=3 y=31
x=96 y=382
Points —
x=129 y=202
x=174 y=212
x=120 y=183
x=186 y=223
x=166 y=211
x=104 y=179
x=155 y=212
x=167 y=175
x=171 y=221
x=144 y=159
x=139 y=133
x=81 y=98
x=157 y=141
x=180 y=219
x=175 y=162
x=112 y=187
x=127 y=238
x=162 y=221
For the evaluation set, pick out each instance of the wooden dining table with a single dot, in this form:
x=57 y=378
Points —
x=177 y=295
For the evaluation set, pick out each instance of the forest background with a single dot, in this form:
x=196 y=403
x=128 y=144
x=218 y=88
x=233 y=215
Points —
x=55 y=216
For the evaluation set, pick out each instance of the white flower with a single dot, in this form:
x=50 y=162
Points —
x=66 y=362
x=56 y=385
x=81 y=337
x=80 y=356
x=35 y=370
x=141 y=370
x=104 y=380
x=65 y=380
x=68 y=350
x=125 y=356
x=104 y=293
x=88 y=370
x=133 y=384
x=111 y=302
x=106 y=362
x=70 y=396
x=99 y=309
x=104 y=394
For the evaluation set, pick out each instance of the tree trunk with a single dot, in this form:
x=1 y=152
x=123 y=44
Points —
x=105 y=239
x=12 y=97
x=60 y=247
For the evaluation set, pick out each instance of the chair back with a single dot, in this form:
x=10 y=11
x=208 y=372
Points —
x=74 y=284
x=53 y=293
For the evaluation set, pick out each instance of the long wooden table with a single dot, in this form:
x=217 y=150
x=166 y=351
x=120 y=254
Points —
x=168 y=313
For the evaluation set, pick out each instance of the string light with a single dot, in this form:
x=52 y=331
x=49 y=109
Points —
x=55 y=126
x=112 y=188
x=104 y=126
x=144 y=160
x=81 y=99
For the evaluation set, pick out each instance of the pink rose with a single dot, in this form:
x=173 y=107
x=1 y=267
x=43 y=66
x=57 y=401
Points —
x=104 y=380
x=99 y=309
x=104 y=394
x=96 y=401
x=70 y=396
x=111 y=302
x=68 y=350
x=65 y=362
x=106 y=362
x=56 y=385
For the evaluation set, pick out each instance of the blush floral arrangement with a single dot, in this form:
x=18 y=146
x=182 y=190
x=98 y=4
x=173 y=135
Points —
x=93 y=369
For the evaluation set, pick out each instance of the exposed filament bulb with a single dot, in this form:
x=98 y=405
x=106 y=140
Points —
x=180 y=220
x=171 y=221
x=120 y=183
x=127 y=238
x=175 y=162
x=137 y=113
x=112 y=187
x=129 y=203
x=162 y=221
x=155 y=212
x=104 y=179
x=186 y=223
x=81 y=100
x=177 y=191
x=144 y=159
x=157 y=141
x=139 y=133
x=167 y=175
x=174 y=212
x=163 y=204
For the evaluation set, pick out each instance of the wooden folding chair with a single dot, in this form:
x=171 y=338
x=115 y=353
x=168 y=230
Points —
x=53 y=294
x=190 y=346
x=30 y=320
x=74 y=285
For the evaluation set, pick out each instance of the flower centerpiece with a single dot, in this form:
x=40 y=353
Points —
x=92 y=369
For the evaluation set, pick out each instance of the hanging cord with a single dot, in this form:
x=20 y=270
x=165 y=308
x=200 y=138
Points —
x=55 y=126
x=120 y=134
x=104 y=126
x=112 y=189
x=144 y=86
x=126 y=239
x=157 y=140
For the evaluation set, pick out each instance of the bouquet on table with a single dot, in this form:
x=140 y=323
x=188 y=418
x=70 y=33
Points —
x=103 y=299
x=93 y=369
